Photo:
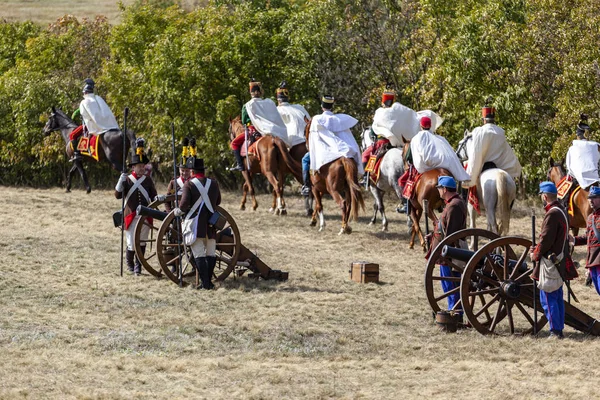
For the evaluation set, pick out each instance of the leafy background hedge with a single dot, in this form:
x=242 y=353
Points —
x=538 y=59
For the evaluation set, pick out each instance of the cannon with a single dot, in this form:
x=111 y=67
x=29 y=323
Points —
x=167 y=250
x=494 y=285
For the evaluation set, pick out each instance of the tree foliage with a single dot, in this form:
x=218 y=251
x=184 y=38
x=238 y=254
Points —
x=191 y=68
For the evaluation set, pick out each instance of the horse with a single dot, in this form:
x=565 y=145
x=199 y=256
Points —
x=274 y=162
x=497 y=191
x=581 y=206
x=339 y=178
x=110 y=148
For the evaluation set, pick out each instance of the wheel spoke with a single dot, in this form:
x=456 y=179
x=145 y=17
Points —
x=511 y=323
x=524 y=275
x=483 y=303
x=456 y=267
x=446 y=278
x=448 y=293
x=519 y=262
x=524 y=312
x=497 y=318
x=151 y=256
x=484 y=291
x=486 y=279
x=505 y=272
x=487 y=305
x=490 y=263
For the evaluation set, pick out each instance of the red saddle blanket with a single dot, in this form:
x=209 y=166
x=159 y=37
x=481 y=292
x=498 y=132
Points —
x=88 y=146
x=567 y=189
x=474 y=199
x=373 y=168
x=409 y=189
x=251 y=149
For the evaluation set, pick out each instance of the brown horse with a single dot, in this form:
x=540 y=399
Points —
x=581 y=206
x=339 y=178
x=425 y=189
x=274 y=162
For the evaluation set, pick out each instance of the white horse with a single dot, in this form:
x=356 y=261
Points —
x=497 y=192
x=392 y=167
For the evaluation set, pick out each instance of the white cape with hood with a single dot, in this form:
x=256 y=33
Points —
x=582 y=162
x=330 y=138
x=398 y=122
x=266 y=119
x=431 y=151
x=488 y=143
x=293 y=118
x=96 y=115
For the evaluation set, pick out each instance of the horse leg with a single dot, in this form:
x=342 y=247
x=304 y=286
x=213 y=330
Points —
x=69 y=176
x=472 y=223
x=419 y=231
x=375 y=206
x=274 y=203
x=248 y=178
x=308 y=206
x=413 y=228
x=83 y=174
x=381 y=206
x=277 y=192
x=244 y=194
x=341 y=202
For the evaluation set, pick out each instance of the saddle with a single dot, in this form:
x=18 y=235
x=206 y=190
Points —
x=567 y=188
x=88 y=146
x=411 y=183
x=249 y=146
x=472 y=196
x=374 y=164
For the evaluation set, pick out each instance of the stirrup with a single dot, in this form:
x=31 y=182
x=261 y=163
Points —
x=237 y=168
x=305 y=190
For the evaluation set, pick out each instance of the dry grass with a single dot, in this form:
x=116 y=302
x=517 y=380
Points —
x=70 y=327
x=45 y=11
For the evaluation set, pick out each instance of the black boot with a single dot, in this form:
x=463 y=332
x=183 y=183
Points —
x=238 y=159
x=202 y=270
x=129 y=256
x=137 y=268
x=305 y=191
x=211 y=261
x=402 y=209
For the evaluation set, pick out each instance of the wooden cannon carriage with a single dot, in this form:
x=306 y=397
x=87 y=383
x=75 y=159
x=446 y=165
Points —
x=165 y=249
x=494 y=284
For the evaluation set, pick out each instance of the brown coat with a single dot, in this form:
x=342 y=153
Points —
x=593 y=243
x=191 y=194
x=169 y=205
x=453 y=219
x=136 y=199
x=553 y=234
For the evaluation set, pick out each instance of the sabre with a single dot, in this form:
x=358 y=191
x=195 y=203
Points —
x=177 y=221
x=426 y=211
x=246 y=144
x=125 y=114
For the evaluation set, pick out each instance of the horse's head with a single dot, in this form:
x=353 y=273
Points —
x=57 y=120
x=461 y=150
x=556 y=171
x=235 y=127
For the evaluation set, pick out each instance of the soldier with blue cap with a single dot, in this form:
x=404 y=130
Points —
x=592 y=238
x=452 y=219
x=552 y=252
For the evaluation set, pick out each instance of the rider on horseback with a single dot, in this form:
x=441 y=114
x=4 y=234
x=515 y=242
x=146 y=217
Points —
x=256 y=92
x=96 y=115
x=380 y=144
x=583 y=156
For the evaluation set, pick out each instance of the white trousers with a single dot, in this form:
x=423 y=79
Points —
x=204 y=247
x=130 y=233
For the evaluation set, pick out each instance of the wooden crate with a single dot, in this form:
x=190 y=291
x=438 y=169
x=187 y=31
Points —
x=364 y=272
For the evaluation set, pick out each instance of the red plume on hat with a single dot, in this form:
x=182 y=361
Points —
x=388 y=96
x=488 y=112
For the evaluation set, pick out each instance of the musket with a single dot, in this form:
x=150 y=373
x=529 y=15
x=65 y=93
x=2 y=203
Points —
x=535 y=265
x=177 y=221
x=124 y=170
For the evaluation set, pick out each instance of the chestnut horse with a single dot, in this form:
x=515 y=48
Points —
x=425 y=189
x=339 y=178
x=581 y=206
x=110 y=149
x=274 y=162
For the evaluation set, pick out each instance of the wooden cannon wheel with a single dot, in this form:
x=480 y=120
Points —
x=228 y=249
x=433 y=288
x=149 y=259
x=496 y=294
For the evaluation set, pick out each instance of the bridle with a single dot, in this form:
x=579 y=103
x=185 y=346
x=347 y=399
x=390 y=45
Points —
x=462 y=146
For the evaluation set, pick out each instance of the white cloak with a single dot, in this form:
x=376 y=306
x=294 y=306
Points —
x=582 y=162
x=488 y=143
x=96 y=115
x=431 y=151
x=398 y=122
x=293 y=118
x=266 y=119
x=330 y=138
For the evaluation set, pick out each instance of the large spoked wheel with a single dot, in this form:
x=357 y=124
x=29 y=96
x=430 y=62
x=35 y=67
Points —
x=438 y=299
x=148 y=258
x=168 y=250
x=496 y=289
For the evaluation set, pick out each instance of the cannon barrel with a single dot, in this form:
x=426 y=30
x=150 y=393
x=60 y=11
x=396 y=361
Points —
x=152 y=213
x=465 y=255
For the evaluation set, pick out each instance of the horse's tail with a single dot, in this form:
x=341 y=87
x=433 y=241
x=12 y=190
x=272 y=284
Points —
x=293 y=165
x=356 y=197
x=506 y=189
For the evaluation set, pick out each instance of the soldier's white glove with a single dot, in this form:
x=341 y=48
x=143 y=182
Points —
x=120 y=185
x=160 y=197
x=177 y=211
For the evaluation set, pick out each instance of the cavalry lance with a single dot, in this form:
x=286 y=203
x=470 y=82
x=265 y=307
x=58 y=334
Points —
x=125 y=114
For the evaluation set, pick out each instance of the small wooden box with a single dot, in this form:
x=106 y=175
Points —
x=364 y=272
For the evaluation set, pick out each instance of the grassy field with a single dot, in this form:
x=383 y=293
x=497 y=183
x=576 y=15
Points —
x=45 y=11
x=72 y=328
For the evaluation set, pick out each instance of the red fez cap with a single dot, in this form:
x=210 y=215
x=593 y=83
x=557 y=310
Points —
x=425 y=122
x=488 y=112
